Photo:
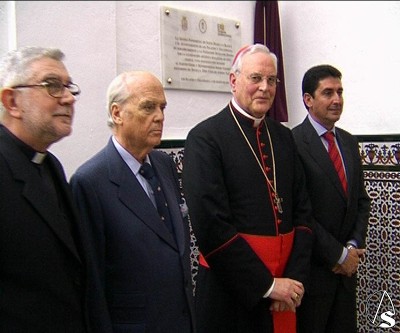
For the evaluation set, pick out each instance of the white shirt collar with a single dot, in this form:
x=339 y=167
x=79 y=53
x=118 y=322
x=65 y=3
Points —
x=321 y=130
x=132 y=162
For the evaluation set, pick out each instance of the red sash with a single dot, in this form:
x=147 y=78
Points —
x=274 y=251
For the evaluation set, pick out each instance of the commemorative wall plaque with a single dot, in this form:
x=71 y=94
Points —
x=197 y=50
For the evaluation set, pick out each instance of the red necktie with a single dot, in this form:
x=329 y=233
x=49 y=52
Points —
x=336 y=159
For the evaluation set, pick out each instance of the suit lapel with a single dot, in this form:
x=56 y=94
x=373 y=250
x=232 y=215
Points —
x=165 y=177
x=347 y=157
x=318 y=152
x=33 y=192
x=133 y=196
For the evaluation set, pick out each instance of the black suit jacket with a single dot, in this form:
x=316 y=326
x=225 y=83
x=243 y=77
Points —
x=337 y=218
x=42 y=265
x=145 y=276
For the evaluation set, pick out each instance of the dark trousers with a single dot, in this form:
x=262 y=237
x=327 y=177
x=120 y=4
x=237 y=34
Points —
x=328 y=313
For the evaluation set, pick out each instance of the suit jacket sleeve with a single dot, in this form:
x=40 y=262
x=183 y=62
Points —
x=355 y=221
x=298 y=266
x=90 y=210
x=359 y=201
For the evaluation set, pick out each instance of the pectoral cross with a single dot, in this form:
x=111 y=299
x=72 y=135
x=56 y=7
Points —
x=278 y=203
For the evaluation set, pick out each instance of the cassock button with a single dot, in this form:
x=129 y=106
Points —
x=262 y=144
x=279 y=221
x=265 y=157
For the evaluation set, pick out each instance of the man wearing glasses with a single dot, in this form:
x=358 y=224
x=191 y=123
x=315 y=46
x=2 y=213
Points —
x=42 y=254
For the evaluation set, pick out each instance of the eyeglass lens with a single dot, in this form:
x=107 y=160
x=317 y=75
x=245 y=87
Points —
x=56 y=88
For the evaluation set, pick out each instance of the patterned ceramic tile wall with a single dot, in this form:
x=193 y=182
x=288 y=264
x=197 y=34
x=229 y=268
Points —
x=379 y=276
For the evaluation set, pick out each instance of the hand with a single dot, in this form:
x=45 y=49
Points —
x=350 y=264
x=360 y=252
x=337 y=269
x=288 y=291
x=279 y=306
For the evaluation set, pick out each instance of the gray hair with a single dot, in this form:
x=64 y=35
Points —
x=250 y=49
x=15 y=65
x=118 y=92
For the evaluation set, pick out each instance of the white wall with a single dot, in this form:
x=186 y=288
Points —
x=358 y=37
x=103 y=38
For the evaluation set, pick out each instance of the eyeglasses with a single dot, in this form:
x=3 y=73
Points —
x=54 y=87
x=257 y=78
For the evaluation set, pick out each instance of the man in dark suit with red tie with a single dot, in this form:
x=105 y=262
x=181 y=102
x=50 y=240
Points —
x=340 y=206
x=142 y=254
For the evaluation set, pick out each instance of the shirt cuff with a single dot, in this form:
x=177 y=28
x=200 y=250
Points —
x=352 y=242
x=343 y=256
x=270 y=289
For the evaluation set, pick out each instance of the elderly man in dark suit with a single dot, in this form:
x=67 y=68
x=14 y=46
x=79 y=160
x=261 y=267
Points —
x=140 y=233
x=42 y=253
x=340 y=205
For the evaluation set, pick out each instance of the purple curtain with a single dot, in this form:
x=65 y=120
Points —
x=267 y=31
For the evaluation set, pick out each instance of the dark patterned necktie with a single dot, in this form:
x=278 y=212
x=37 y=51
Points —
x=147 y=172
x=336 y=159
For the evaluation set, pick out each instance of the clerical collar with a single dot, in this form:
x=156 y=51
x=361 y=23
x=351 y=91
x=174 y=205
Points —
x=256 y=121
x=33 y=156
x=38 y=158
